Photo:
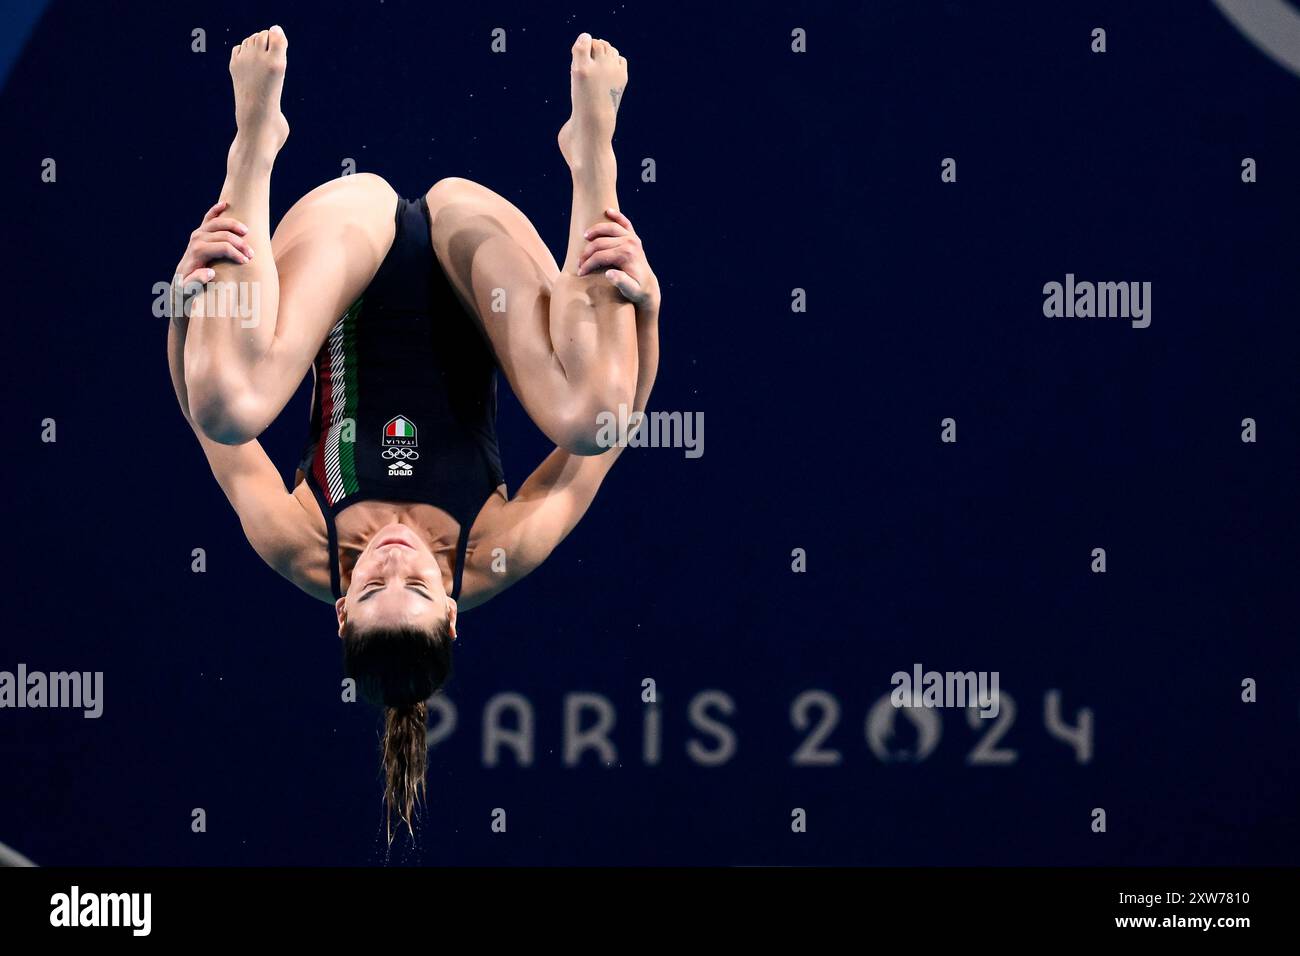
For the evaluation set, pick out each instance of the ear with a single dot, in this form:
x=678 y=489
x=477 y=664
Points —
x=341 y=611
x=451 y=617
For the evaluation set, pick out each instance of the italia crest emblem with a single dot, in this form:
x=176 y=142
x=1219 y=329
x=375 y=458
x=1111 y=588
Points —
x=399 y=444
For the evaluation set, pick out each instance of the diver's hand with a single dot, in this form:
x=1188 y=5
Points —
x=218 y=237
x=615 y=247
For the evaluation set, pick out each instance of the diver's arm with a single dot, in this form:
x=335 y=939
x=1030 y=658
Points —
x=275 y=523
x=556 y=495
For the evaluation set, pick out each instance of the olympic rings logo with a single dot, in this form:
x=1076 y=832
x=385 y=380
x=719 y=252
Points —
x=408 y=454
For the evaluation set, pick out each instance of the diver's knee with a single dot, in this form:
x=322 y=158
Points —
x=594 y=423
x=225 y=410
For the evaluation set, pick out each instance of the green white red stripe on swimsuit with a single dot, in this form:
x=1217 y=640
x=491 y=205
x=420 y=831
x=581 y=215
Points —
x=335 y=464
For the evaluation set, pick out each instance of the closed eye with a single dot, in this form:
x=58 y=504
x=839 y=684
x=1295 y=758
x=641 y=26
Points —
x=419 y=587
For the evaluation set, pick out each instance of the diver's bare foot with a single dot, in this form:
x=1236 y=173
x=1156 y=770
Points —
x=597 y=79
x=257 y=68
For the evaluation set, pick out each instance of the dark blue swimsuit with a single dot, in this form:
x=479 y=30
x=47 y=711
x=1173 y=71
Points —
x=405 y=401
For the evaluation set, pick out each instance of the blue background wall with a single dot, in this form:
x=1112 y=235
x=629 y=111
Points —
x=775 y=171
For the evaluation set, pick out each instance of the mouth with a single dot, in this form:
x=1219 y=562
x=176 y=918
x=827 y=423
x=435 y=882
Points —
x=399 y=538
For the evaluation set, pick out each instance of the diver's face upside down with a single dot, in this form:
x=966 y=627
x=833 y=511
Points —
x=397 y=584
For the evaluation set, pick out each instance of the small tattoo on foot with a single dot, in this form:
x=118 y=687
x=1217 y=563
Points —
x=615 y=95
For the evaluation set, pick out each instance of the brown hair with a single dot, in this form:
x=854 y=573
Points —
x=399 y=669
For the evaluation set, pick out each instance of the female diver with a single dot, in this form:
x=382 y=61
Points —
x=404 y=309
